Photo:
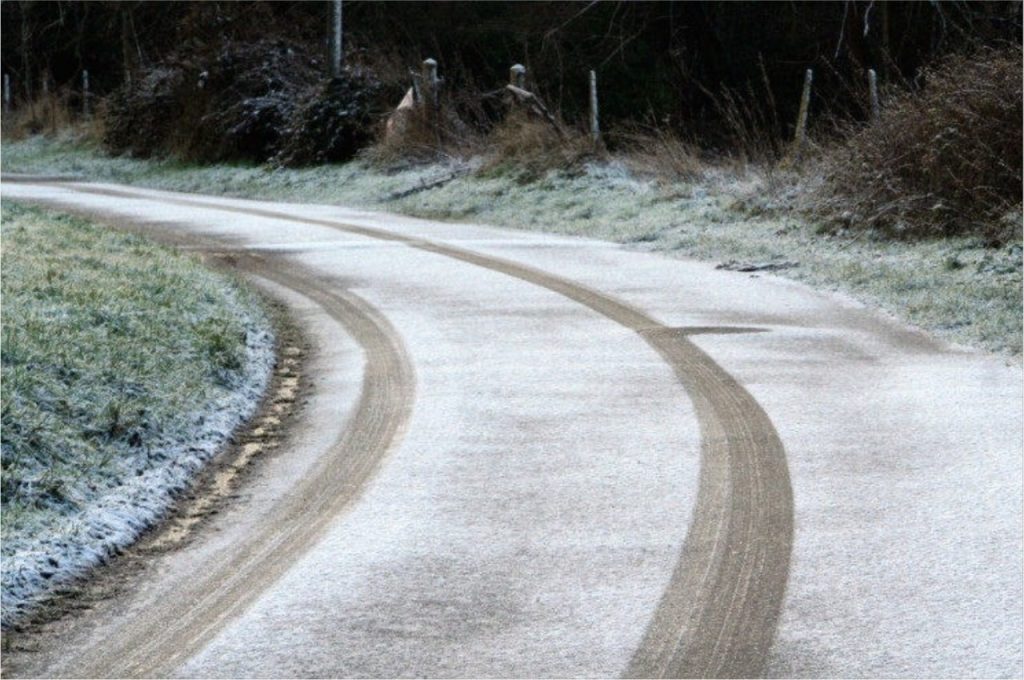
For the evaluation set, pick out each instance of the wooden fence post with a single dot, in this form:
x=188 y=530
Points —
x=595 y=126
x=801 y=119
x=517 y=76
x=876 y=107
x=49 y=103
x=85 y=92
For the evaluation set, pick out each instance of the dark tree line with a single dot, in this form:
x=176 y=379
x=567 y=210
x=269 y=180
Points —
x=656 y=61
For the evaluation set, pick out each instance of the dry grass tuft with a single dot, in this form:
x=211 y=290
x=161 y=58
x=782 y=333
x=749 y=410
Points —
x=46 y=114
x=413 y=136
x=533 y=147
x=660 y=153
x=939 y=162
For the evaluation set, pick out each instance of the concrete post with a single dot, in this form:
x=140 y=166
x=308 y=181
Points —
x=336 y=43
x=431 y=101
x=7 y=93
x=517 y=76
x=595 y=126
x=876 y=107
x=429 y=83
x=85 y=92
x=805 y=103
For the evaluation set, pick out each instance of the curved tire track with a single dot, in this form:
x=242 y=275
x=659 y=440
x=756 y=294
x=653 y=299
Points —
x=156 y=642
x=718 y=614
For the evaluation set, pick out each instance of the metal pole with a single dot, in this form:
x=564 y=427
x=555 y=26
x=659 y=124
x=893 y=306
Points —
x=7 y=93
x=85 y=92
x=595 y=128
x=336 y=44
x=876 y=107
x=517 y=76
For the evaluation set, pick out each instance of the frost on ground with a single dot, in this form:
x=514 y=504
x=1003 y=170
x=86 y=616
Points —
x=959 y=288
x=126 y=367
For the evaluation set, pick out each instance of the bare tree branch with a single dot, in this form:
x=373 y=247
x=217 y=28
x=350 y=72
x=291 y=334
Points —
x=842 y=29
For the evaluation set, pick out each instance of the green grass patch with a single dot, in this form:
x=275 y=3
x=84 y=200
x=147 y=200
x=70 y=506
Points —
x=111 y=346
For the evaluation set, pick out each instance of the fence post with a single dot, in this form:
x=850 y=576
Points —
x=7 y=93
x=517 y=76
x=876 y=107
x=431 y=97
x=801 y=119
x=336 y=44
x=429 y=83
x=595 y=127
x=49 y=103
x=85 y=92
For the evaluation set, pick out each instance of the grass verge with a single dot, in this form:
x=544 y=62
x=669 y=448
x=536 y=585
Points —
x=125 y=367
x=957 y=287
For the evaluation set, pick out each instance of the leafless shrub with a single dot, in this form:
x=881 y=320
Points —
x=140 y=119
x=255 y=101
x=232 y=101
x=333 y=122
x=942 y=161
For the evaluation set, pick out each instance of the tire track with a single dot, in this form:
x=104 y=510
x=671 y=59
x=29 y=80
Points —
x=718 y=615
x=156 y=641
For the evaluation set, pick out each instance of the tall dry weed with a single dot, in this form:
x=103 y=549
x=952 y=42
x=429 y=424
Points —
x=47 y=113
x=660 y=152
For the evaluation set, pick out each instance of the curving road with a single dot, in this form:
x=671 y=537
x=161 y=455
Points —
x=537 y=456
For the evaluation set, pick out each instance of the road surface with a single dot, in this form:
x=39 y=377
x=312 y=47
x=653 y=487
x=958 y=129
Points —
x=528 y=455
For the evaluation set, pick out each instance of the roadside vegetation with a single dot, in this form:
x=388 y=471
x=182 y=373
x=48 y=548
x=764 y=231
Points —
x=125 y=365
x=913 y=206
x=965 y=288
x=940 y=161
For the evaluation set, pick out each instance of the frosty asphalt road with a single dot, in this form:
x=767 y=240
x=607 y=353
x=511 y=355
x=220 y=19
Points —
x=527 y=455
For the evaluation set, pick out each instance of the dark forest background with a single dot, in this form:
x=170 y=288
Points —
x=682 y=86
x=663 y=62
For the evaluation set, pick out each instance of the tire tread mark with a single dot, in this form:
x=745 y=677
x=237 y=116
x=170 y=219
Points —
x=155 y=645
x=718 y=615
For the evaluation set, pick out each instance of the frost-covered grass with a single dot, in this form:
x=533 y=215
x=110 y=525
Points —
x=125 y=366
x=957 y=288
